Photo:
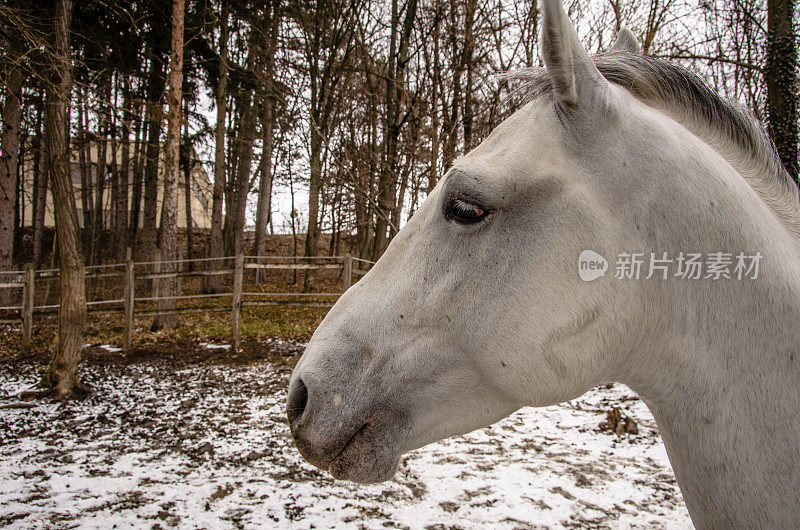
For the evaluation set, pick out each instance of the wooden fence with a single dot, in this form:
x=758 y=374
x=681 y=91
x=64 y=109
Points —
x=148 y=274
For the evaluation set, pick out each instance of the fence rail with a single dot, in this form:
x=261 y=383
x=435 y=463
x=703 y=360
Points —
x=26 y=280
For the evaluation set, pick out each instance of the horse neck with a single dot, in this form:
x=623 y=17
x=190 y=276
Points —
x=719 y=366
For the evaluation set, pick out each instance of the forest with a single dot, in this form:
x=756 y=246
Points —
x=165 y=128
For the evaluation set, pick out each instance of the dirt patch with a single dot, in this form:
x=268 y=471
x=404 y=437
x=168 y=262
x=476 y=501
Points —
x=176 y=352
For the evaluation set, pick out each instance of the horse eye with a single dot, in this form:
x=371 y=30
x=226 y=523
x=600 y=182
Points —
x=464 y=212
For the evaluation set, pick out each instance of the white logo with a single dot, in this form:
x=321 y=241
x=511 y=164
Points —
x=591 y=265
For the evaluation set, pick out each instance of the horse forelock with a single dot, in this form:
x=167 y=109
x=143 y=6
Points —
x=685 y=97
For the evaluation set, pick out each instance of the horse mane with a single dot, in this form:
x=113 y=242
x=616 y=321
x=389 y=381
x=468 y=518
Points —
x=725 y=125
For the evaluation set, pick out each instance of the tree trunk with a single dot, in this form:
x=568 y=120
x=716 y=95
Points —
x=264 y=207
x=781 y=79
x=293 y=218
x=241 y=179
x=62 y=374
x=395 y=87
x=86 y=175
x=314 y=188
x=329 y=30
x=167 y=235
x=267 y=119
x=19 y=210
x=39 y=205
x=317 y=83
x=115 y=191
x=123 y=181
x=98 y=220
x=212 y=284
x=155 y=88
x=436 y=82
x=373 y=155
x=136 y=187
x=450 y=109
x=187 y=163
x=113 y=144
x=391 y=133
x=40 y=165
x=360 y=204
x=467 y=116
x=9 y=160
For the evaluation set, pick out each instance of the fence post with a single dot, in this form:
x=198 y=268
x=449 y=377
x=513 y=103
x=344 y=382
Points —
x=127 y=304
x=236 y=309
x=347 y=273
x=27 y=307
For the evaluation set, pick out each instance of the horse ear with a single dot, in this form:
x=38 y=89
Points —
x=626 y=42
x=573 y=73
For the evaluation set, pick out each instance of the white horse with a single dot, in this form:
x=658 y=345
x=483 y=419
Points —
x=477 y=307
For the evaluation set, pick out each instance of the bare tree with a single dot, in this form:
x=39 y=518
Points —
x=136 y=176
x=400 y=35
x=187 y=165
x=267 y=119
x=62 y=374
x=155 y=111
x=328 y=29
x=212 y=284
x=239 y=184
x=431 y=54
x=167 y=235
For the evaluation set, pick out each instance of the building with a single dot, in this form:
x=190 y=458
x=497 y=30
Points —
x=201 y=191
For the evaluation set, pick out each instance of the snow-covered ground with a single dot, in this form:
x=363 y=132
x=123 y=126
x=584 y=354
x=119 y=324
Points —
x=207 y=446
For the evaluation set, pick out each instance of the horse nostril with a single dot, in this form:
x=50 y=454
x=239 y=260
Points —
x=296 y=402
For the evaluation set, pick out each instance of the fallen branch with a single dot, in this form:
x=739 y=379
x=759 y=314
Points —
x=29 y=395
x=19 y=405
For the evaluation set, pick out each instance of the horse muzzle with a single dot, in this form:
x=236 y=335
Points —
x=335 y=436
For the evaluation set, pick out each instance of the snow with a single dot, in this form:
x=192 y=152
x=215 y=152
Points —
x=207 y=445
x=211 y=346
